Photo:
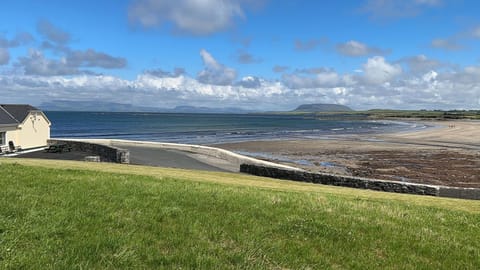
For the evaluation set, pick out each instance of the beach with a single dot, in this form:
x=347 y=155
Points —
x=428 y=152
x=447 y=153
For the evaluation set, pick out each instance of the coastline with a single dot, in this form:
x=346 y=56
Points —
x=446 y=153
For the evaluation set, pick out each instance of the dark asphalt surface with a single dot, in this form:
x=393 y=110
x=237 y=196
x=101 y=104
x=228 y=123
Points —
x=139 y=156
x=165 y=158
x=73 y=155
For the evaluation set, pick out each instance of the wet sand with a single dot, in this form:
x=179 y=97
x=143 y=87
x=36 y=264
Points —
x=446 y=154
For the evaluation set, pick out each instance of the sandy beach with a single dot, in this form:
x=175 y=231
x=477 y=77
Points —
x=446 y=153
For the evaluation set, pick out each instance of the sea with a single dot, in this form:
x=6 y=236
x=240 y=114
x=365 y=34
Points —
x=208 y=129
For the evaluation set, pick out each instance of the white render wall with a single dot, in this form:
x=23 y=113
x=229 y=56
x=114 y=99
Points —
x=33 y=132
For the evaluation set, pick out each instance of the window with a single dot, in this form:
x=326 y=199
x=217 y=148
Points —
x=2 y=138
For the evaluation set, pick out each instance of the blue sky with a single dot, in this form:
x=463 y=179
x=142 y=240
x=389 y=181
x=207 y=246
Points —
x=261 y=55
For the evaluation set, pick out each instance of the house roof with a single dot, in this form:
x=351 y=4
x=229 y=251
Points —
x=14 y=114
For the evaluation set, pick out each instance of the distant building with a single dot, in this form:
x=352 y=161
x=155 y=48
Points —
x=22 y=126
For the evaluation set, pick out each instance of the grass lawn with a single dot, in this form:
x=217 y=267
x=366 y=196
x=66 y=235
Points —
x=76 y=215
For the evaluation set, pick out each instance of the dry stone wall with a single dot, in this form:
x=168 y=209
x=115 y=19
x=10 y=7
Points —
x=106 y=153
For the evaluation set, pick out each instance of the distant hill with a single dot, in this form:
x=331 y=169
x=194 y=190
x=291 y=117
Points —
x=100 y=106
x=92 y=106
x=322 y=108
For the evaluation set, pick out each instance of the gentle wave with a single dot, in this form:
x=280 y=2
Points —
x=210 y=129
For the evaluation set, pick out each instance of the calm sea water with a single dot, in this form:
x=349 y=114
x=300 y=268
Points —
x=207 y=128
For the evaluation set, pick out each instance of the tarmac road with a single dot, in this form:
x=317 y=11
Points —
x=166 y=158
x=139 y=156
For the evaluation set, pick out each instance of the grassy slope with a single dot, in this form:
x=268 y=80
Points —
x=117 y=216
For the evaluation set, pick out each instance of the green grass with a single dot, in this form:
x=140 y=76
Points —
x=108 y=216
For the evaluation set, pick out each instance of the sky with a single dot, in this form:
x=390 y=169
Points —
x=251 y=54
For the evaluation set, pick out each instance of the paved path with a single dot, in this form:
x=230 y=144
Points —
x=165 y=158
x=138 y=155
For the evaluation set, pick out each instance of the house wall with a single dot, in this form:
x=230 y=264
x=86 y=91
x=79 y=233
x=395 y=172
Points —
x=10 y=134
x=33 y=132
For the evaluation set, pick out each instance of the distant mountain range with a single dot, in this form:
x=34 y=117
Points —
x=100 y=106
x=322 y=108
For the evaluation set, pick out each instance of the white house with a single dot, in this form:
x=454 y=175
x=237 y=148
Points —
x=23 y=126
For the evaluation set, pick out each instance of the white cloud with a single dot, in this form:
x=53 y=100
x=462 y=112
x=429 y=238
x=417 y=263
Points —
x=21 y=38
x=52 y=32
x=279 y=68
x=378 y=71
x=354 y=48
x=214 y=72
x=420 y=64
x=92 y=58
x=476 y=32
x=165 y=74
x=250 y=82
x=4 y=56
x=319 y=79
x=200 y=17
x=245 y=57
x=378 y=86
x=394 y=9
x=36 y=64
x=430 y=76
x=446 y=44
x=309 y=45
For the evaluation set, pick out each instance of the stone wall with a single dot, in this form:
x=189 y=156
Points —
x=363 y=183
x=344 y=181
x=463 y=193
x=106 y=153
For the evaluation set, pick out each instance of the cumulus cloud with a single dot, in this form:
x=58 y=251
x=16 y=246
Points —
x=92 y=58
x=68 y=62
x=446 y=44
x=312 y=78
x=21 y=38
x=379 y=71
x=177 y=72
x=395 y=9
x=470 y=75
x=190 y=16
x=280 y=69
x=4 y=56
x=476 y=32
x=354 y=48
x=245 y=57
x=309 y=45
x=35 y=63
x=420 y=64
x=52 y=32
x=431 y=90
x=250 y=82
x=214 y=72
